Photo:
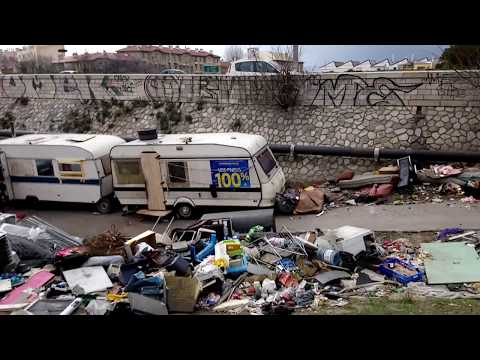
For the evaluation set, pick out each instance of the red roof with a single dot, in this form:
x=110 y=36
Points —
x=94 y=56
x=166 y=50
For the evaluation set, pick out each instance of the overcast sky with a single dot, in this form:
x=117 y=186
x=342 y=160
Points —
x=314 y=56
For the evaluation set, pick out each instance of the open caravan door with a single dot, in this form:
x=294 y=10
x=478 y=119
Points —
x=6 y=189
x=153 y=182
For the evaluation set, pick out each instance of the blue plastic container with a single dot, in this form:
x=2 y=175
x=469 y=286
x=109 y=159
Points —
x=402 y=279
x=239 y=269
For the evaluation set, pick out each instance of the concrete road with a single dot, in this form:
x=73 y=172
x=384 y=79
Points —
x=81 y=221
x=418 y=217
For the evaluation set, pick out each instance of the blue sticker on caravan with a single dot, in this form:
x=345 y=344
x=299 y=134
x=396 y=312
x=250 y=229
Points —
x=230 y=173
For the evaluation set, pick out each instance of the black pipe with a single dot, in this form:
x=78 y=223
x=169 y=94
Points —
x=381 y=153
x=8 y=133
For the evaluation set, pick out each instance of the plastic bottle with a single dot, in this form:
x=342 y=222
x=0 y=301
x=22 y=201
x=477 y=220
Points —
x=329 y=256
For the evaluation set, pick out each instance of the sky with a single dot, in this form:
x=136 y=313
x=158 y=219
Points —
x=313 y=56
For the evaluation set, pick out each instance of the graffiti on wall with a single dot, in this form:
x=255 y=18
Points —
x=354 y=90
x=445 y=86
x=314 y=90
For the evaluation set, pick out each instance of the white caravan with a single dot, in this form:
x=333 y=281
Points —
x=216 y=169
x=59 y=167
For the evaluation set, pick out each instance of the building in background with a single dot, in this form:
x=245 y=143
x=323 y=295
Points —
x=163 y=57
x=97 y=63
x=36 y=52
x=8 y=61
x=383 y=65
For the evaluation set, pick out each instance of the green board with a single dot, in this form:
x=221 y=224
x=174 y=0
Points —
x=451 y=263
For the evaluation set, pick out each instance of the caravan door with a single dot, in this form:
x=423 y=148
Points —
x=153 y=180
x=5 y=175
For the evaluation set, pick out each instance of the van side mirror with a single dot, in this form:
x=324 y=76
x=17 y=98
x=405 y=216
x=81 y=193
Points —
x=213 y=190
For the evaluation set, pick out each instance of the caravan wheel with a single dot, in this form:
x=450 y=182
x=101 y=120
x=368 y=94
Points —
x=104 y=205
x=184 y=211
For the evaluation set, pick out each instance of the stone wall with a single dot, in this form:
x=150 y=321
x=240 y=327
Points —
x=398 y=88
x=402 y=127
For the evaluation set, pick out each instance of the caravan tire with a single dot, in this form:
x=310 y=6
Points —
x=184 y=211
x=32 y=201
x=104 y=205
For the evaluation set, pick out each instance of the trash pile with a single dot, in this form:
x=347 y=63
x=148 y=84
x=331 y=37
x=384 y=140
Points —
x=398 y=184
x=212 y=266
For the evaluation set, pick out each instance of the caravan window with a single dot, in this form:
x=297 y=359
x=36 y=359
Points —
x=129 y=172
x=267 y=161
x=177 y=172
x=73 y=169
x=44 y=167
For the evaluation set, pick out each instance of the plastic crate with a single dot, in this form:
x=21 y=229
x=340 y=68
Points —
x=239 y=269
x=402 y=279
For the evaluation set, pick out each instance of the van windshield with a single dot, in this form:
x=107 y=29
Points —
x=267 y=161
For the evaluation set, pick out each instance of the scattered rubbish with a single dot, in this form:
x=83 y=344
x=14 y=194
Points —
x=182 y=293
x=87 y=279
x=231 y=305
x=146 y=305
x=400 y=271
x=445 y=233
x=327 y=277
x=24 y=293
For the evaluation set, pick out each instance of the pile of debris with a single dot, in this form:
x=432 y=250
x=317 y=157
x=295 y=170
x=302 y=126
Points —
x=225 y=263
x=397 y=184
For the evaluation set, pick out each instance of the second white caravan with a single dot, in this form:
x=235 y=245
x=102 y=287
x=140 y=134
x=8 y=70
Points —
x=215 y=169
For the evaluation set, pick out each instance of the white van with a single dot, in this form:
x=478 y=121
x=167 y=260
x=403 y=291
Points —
x=216 y=169
x=59 y=167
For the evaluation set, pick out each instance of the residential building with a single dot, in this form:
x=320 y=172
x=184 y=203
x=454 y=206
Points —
x=8 y=61
x=102 y=63
x=35 y=52
x=162 y=57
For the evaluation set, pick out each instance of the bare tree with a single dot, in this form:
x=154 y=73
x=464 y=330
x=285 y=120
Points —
x=284 y=87
x=465 y=60
x=40 y=65
x=234 y=53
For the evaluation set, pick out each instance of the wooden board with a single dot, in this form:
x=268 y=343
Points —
x=153 y=180
x=451 y=263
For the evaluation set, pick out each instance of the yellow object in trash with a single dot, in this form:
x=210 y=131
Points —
x=221 y=263
x=116 y=297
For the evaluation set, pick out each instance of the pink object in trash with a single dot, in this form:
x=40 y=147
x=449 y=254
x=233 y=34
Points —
x=469 y=200
x=445 y=170
x=36 y=281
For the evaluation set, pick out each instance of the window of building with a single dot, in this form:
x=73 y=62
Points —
x=129 y=172
x=70 y=169
x=177 y=172
x=44 y=167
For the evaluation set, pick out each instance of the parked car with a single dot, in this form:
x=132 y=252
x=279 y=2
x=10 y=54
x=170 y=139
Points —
x=253 y=67
x=172 y=71
x=68 y=72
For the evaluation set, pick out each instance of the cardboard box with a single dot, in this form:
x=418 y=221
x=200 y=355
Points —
x=148 y=237
x=182 y=293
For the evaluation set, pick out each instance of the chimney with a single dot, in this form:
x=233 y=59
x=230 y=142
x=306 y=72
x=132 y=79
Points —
x=295 y=56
